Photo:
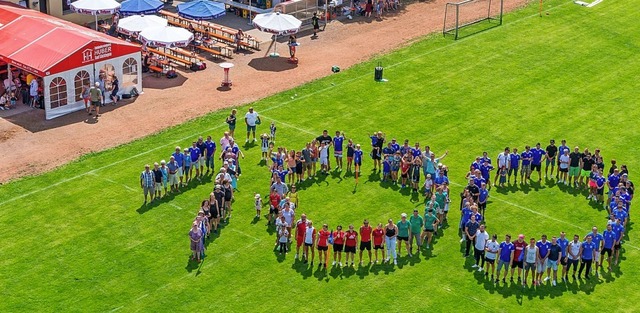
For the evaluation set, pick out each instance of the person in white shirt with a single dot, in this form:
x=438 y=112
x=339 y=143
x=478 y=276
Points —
x=33 y=93
x=324 y=158
x=491 y=250
x=572 y=258
x=563 y=166
x=481 y=239
x=503 y=160
x=251 y=119
x=309 y=241
x=530 y=260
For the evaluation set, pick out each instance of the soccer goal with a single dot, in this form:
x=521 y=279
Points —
x=458 y=15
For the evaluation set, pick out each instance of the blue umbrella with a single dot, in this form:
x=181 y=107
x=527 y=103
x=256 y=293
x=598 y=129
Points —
x=134 y=7
x=201 y=10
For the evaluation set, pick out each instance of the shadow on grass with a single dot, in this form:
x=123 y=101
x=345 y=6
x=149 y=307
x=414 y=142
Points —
x=193 y=183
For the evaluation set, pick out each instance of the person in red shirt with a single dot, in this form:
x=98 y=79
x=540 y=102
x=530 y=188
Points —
x=351 y=240
x=365 y=239
x=301 y=228
x=338 y=243
x=519 y=245
x=274 y=201
x=323 y=245
x=378 y=241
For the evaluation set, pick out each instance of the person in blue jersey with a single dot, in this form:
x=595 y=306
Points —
x=505 y=258
x=394 y=145
x=470 y=229
x=187 y=165
x=386 y=168
x=210 y=149
x=357 y=161
x=563 y=242
x=351 y=148
x=203 y=151
x=620 y=213
x=543 y=254
x=475 y=165
x=596 y=239
x=338 y=142
x=405 y=147
x=600 y=182
x=485 y=171
x=619 y=231
x=525 y=171
x=536 y=160
x=612 y=183
x=587 y=255
x=609 y=240
x=388 y=150
x=485 y=157
x=194 y=153
x=415 y=151
x=482 y=198
x=179 y=157
x=555 y=253
x=514 y=165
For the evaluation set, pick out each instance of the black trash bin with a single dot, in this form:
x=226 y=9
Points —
x=377 y=74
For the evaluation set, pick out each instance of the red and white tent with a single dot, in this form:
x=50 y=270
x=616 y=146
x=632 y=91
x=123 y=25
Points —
x=67 y=56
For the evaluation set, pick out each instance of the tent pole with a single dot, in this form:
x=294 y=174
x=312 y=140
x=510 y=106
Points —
x=96 y=21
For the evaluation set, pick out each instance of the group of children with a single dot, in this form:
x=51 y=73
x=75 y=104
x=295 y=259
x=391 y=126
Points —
x=8 y=101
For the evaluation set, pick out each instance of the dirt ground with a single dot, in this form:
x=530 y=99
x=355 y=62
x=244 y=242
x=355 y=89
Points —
x=32 y=145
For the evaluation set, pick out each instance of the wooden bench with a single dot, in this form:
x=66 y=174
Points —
x=156 y=70
x=214 y=53
x=187 y=63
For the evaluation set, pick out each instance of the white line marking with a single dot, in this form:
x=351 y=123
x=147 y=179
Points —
x=175 y=206
x=106 y=166
x=289 y=125
x=113 y=182
x=118 y=308
x=265 y=110
x=255 y=239
x=142 y=297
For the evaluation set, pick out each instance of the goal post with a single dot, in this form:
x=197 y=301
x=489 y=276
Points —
x=458 y=15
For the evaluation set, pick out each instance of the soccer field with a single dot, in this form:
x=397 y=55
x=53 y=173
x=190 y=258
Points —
x=79 y=239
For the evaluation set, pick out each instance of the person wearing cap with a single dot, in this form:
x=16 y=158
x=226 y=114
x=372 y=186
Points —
x=404 y=228
x=196 y=235
x=172 y=167
x=490 y=254
x=431 y=222
x=365 y=239
x=251 y=118
x=157 y=178
x=518 y=256
x=179 y=157
x=187 y=165
x=416 y=222
x=563 y=167
x=550 y=158
x=505 y=252
x=96 y=98
x=147 y=183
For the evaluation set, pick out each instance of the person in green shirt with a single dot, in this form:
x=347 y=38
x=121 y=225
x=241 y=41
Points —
x=416 y=225
x=433 y=205
x=430 y=226
x=441 y=199
x=403 y=233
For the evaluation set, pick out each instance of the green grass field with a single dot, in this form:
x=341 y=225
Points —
x=78 y=240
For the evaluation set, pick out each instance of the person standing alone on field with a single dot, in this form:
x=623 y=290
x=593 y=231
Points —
x=251 y=119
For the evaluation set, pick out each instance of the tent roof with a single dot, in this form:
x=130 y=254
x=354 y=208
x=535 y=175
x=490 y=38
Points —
x=38 y=42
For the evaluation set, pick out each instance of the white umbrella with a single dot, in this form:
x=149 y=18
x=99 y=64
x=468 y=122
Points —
x=138 y=23
x=166 y=37
x=95 y=7
x=277 y=24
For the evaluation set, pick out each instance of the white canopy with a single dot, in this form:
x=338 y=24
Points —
x=277 y=23
x=95 y=7
x=138 y=23
x=167 y=37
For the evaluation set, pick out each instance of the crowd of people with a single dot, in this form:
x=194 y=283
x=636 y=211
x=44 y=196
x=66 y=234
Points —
x=289 y=168
x=582 y=170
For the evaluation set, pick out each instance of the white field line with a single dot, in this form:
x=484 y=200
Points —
x=474 y=299
x=291 y=126
x=175 y=206
x=113 y=182
x=221 y=125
